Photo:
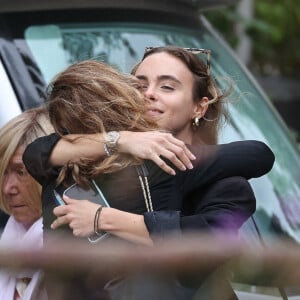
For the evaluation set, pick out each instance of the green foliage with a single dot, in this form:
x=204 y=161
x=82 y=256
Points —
x=275 y=33
x=224 y=21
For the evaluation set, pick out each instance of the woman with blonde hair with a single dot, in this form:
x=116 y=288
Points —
x=21 y=199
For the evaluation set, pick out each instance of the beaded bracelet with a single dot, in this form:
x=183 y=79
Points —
x=96 y=221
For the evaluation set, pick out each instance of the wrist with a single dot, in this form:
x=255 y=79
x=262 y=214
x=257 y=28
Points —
x=122 y=142
x=108 y=219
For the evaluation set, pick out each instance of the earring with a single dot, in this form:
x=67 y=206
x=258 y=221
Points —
x=209 y=120
x=196 y=122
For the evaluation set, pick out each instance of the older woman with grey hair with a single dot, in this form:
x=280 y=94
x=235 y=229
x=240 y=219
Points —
x=20 y=198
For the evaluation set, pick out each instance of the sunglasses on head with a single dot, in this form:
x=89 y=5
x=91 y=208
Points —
x=193 y=51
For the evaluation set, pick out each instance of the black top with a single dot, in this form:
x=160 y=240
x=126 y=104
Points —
x=205 y=201
x=3 y=219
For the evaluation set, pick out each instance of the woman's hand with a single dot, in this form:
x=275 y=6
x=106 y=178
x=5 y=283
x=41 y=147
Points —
x=78 y=214
x=153 y=145
x=156 y=145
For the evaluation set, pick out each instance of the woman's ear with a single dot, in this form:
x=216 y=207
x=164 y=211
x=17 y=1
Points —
x=201 y=108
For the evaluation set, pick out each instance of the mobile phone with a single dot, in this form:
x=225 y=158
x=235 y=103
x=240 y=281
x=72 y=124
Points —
x=93 y=194
x=58 y=198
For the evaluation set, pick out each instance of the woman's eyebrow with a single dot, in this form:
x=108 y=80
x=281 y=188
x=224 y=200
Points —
x=160 y=78
x=169 y=77
x=141 y=77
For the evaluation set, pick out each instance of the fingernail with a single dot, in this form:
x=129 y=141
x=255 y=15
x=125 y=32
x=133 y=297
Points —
x=183 y=168
x=190 y=166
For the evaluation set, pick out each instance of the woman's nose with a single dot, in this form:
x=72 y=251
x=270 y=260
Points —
x=9 y=184
x=149 y=93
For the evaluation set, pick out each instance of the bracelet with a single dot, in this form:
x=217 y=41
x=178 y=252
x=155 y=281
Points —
x=96 y=221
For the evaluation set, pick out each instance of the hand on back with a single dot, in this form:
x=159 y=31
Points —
x=157 y=146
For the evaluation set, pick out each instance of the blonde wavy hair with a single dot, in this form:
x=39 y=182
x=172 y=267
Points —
x=92 y=97
x=21 y=131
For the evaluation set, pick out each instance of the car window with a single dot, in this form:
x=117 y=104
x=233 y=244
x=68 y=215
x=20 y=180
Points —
x=252 y=116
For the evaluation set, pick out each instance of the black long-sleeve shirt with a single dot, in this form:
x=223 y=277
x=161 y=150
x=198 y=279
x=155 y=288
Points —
x=201 y=198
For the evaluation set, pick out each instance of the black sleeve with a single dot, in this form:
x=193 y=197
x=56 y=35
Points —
x=246 y=159
x=249 y=159
x=225 y=204
x=210 y=195
x=36 y=158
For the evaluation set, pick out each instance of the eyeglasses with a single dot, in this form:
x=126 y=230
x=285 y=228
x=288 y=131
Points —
x=194 y=51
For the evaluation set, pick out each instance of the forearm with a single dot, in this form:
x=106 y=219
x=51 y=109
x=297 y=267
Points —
x=152 y=145
x=248 y=159
x=125 y=225
x=224 y=205
x=35 y=158
x=75 y=146
x=80 y=216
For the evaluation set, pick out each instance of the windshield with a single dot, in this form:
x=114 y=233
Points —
x=252 y=116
